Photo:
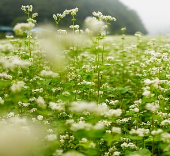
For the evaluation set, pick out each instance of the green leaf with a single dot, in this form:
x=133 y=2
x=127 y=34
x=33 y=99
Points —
x=145 y=152
x=142 y=152
x=4 y=84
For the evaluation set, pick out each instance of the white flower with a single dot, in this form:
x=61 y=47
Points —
x=140 y=131
x=57 y=106
x=93 y=24
x=148 y=82
x=45 y=73
x=22 y=28
x=116 y=130
x=74 y=11
x=136 y=110
x=40 y=117
x=113 y=112
x=51 y=137
x=152 y=107
x=80 y=125
x=166 y=137
x=55 y=17
x=17 y=86
x=146 y=93
x=11 y=114
x=5 y=76
x=83 y=140
x=156 y=132
x=40 y=101
x=99 y=126
x=73 y=153
x=116 y=153
x=1 y=101
x=165 y=122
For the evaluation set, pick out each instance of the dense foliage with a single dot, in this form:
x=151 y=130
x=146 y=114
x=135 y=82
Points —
x=125 y=17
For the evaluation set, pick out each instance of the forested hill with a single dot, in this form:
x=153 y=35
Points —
x=11 y=13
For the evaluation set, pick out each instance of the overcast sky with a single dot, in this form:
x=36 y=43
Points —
x=155 y=14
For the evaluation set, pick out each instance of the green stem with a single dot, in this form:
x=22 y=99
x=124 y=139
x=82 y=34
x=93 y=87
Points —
x=153 y=143
x=98 y=79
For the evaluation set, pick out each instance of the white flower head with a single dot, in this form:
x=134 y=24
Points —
x=116 y=130
x=40 y=101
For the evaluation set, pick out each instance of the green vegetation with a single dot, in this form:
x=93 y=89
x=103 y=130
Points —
x=46 y=8
x=83 y=93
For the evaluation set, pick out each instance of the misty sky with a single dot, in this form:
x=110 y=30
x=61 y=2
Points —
x=155 y=14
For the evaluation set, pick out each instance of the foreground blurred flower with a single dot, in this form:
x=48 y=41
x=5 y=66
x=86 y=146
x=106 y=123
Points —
x=18 y=137
x=73 y=153
x=22 y=28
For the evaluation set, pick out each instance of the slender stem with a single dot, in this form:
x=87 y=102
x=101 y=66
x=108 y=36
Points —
x=29 y=37
x=153 y=143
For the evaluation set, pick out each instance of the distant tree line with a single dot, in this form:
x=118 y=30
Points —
x=11 y=13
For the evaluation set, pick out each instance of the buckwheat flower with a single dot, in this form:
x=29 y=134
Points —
x=113 y=112
x=66 y=12
x=17 y=86
x=66 y=93
x=165 y=122
x=30 y=8
x=152 y=107
x=19 y=137
x=73 y=153
x=148 y=81
x=110 y=58
x=123 y=30
x=135 y=155
x=82 y=106
x=116 y=130
x=5 y=76
x=69 y=121
x=146 y=93
x=11 y=114
x=1 y=101
x=51 y=137
x=40 y=101
x=99 y=126
x=60 y=31
x=22 y=28
x=9 y=36
x=93 y=24
x=140 y=131
x=124 y=145
x=98 y=14
x=74 y=11
x=23 y=8
x=58 y=152
x=45 y=73
x=156 y=132
x=40 y=117
x=108 y=18
x=138 y=34
x=31 y=20
x=136 y=110
x=80 y=125
x=33 y=110
x=55 y=17
x=116 y=153
x=57 y=106
x=165 y=137
x=83 y=140
x=34 y=15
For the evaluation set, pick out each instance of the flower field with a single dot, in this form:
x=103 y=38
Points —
x=82 y=93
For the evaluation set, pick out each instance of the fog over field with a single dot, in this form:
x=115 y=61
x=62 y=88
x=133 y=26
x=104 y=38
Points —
x=155 y=14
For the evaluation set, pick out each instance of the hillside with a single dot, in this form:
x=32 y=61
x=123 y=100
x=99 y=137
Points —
x=125 y=17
